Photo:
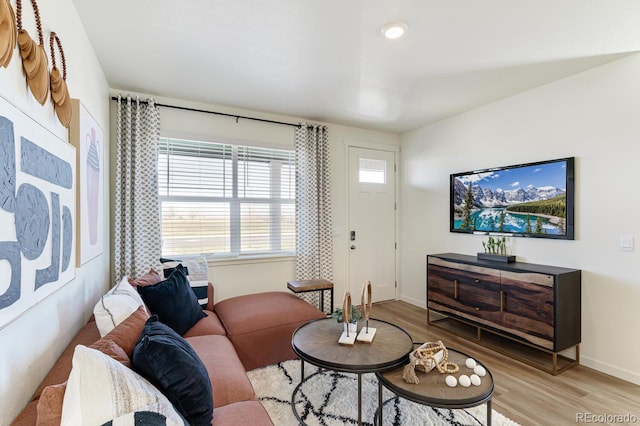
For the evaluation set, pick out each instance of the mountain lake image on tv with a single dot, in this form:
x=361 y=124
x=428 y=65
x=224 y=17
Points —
x=529 y=200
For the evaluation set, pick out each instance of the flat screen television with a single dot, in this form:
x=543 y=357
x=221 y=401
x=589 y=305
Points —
x=527 y=200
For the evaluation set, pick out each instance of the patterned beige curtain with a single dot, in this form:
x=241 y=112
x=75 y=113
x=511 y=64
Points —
x=314 y=246
x=137 y=239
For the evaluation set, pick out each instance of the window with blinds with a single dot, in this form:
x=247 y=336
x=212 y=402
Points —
x=222 y=199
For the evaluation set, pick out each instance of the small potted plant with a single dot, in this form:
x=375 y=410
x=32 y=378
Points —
x=496 y=249
x=356 y=315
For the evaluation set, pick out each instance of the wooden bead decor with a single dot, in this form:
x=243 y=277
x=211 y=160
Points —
x=59 y=89
x=427 y=357
x=34 y=57
x=8 y=32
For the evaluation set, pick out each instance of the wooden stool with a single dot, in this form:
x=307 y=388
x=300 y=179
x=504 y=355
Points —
x=320 y=284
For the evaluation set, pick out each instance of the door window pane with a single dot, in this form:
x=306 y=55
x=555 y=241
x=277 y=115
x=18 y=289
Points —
x=372 y=171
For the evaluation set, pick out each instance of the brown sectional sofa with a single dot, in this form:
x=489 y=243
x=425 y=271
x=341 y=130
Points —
x=237 y=335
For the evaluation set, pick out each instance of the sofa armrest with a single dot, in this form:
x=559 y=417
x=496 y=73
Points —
x=210 y=292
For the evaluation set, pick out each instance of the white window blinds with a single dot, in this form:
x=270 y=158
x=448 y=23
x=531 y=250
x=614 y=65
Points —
x=225 y=199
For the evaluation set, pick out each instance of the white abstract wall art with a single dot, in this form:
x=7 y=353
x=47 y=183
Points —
x=37 y=212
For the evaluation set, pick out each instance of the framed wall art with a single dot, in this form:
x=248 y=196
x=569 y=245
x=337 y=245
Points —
x=87 y=137
x=37 y=212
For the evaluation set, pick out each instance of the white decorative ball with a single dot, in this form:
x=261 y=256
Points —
x=480 y=370
x=464 y=381
x=470 y=362
x=475 y=380
x=451 y=381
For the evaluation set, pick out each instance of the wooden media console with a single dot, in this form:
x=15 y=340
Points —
x=528 y=311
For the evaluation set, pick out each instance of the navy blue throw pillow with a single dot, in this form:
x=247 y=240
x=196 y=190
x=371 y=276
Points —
x=173 y=301
x=197 y=275
x=168 y=361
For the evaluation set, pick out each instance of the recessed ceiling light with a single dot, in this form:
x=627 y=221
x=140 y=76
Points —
x=394 y=30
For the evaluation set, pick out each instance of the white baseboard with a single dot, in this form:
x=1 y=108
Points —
x=611 y=370
x=416 y=302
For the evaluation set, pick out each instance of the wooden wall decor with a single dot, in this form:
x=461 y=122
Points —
x=34 y=57
x=7 y=32
x=59 y=89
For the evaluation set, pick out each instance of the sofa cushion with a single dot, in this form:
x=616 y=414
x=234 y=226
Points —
x=266 y=321
x=111 y=348
x=127 y=333
x=260 y=311
x=50 y=402
x=150 y=278
x=197 y=272
x=170 y=363
x=206 y=326
x=50 y=405
x=242 y=413
x=101 y=389
x=228 y=377
x=173 y=301
x=116 y=305
x=124 y=335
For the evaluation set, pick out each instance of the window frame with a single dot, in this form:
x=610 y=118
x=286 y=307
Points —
x=235 y=201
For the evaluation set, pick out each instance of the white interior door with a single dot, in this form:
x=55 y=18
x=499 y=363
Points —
x=372 y=222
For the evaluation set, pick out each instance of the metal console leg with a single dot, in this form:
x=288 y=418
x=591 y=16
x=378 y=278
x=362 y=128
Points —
x=359 y=399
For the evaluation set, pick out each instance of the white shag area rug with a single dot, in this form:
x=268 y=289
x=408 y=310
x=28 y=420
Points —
x=330 y=398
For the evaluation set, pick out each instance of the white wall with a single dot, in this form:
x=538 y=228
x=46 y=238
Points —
x=593 y=116
x=30 y=345
x=236 y=277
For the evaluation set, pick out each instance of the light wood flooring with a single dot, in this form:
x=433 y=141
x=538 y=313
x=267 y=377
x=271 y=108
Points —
x=523 y=393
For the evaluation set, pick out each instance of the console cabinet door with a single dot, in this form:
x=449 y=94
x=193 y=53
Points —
x=478 y=292
x=528 y=305
x=441 y=286
x=473 y=292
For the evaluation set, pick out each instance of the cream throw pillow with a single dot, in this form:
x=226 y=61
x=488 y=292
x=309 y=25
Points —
x=101 y=389
x=116 y=306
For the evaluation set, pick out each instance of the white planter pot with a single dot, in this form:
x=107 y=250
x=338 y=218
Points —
x=353 y=327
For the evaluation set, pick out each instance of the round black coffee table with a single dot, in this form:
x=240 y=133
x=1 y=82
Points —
x=433 y=391
x=316 y=342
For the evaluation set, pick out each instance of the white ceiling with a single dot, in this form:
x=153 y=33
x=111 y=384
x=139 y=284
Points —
x=325 y=60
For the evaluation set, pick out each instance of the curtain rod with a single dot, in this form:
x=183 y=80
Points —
x=236 y=116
